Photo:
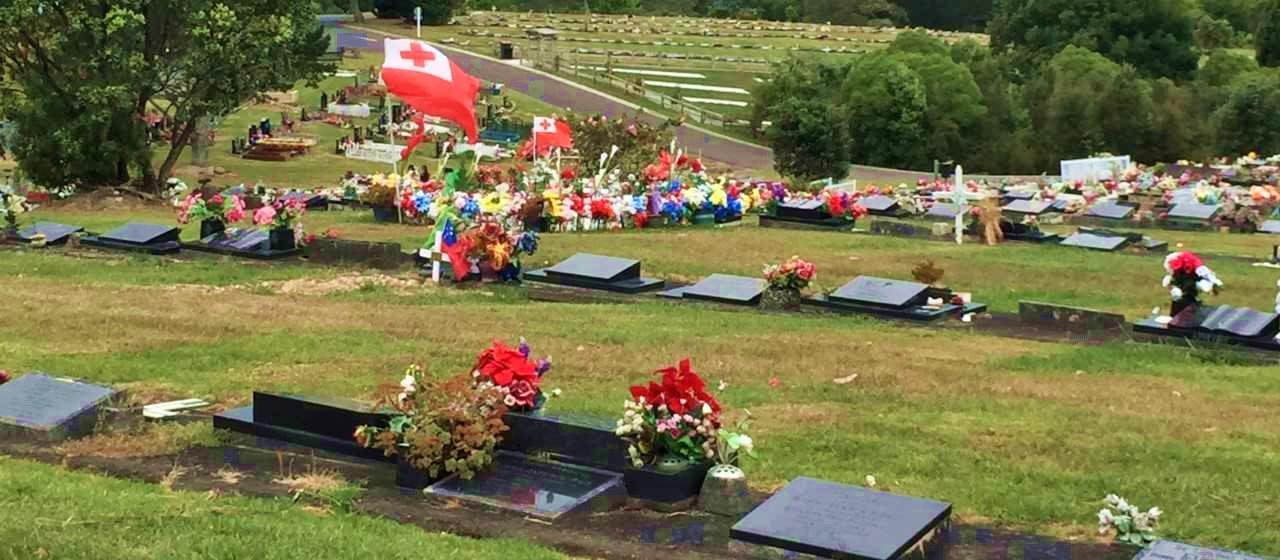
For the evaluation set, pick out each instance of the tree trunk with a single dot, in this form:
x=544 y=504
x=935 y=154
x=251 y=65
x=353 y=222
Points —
x=176 y=146
x=355 y=11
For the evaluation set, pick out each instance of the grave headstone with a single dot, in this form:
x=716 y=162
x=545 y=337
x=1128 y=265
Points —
x=43 y=408
x=1194 y=211
x=1169 y=550
x=320 y=422
x=54 y=233
x=149 y=238
x=1238 y=321
x=544 y=489
x=599 y=272
x=880 y=205
x=832 y=520
x=1069 y=318
x=723 y=288
x=867 y=290
x=1028 y=207
x=1096 y=241
x=1111 y=210
x=942 y=211
x=1270 y=226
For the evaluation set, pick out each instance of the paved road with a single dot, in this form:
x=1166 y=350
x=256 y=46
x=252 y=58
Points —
x=561 y=93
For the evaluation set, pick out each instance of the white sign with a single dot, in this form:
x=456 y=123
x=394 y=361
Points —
x=1094 y=169
x=375 y=151
x=361 y=110
x=482 y=150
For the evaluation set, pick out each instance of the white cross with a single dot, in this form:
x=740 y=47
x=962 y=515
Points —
x=437 y=256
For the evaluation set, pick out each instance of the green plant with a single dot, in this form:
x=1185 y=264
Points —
x=379 y=195
x=730 y=445
x=449 y=426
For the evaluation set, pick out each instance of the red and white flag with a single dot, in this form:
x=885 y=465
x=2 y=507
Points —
x=428 y=81
x=553 y=133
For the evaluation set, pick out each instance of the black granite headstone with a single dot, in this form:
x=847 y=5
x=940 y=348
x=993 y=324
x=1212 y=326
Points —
x=141 y=234
x=1031 y=207
x=580 y=439
x=54 y=233
x=1169 y=550
x=585 y=270
x=1096 y=241
x=1011 y=196
x=879 y=204
x=1194 y=211
x=36 y=406
x=1111 y=210
x=803 y=210
x=832 y=520
x=1238 y=321
x=867 y=290
x=545 y=489
x=723 y=288
x=320 y=422
x=942 y=211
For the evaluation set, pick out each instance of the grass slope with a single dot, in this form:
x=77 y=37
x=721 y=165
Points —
x=46 y=512
x=1015 y=433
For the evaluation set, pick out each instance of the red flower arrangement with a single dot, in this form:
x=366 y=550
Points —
x=513 y=373
x=4 y=377
x=675 y=418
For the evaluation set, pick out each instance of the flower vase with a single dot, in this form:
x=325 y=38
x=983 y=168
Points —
x=780 y=298
x=211 y=227
x=1180 y=305
x=667 y=485
x=725 y=492
x=282 y=239
x=384 y=214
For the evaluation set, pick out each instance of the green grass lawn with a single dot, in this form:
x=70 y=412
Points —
x=1018 y=434
x=46 y=512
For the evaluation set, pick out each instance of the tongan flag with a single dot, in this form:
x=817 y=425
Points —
x=428 y=81
x=552 y=132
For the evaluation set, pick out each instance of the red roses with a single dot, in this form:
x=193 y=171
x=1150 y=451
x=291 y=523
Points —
x=1185 y=263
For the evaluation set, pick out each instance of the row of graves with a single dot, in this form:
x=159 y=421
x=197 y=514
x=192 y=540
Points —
x=487 y=442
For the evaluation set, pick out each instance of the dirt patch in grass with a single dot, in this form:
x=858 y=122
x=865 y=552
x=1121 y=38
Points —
x=152 y=440
x=107 y=198
x=399 y=285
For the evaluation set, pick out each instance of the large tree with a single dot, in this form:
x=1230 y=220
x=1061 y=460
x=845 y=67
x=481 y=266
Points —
x=89 y=71
x=810 y=139
x=1266 y=40
x=1154 y=36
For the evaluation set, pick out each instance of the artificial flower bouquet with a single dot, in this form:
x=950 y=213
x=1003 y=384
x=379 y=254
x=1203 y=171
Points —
x=676 y=418
x=1128 y=523
x=283 y=213
x=841 y=204
x=513 y=373
x=1187 y=279
x=200 y=207
x=794 y=274
x=483 y=248
x=12 y=205
x=440 y=427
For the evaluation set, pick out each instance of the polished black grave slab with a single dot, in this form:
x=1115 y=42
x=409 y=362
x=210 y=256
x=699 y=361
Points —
x=722 y=288
x=891 y=298
x=597 y=272
x=880 y=205
x=1170 y=550
x=138 y=237
x=1028 y=207
x=1194 y=211
x=247 y=243
x=566 y=437
x=53 y=232
x=1219 y=324
x=1029 y=233
x=830 y=520
x=46 y=409
x=541 y=488
x=321 y=422
x=1111 y=210
x=805 y=213
x=942 y=211
x=1096 y=241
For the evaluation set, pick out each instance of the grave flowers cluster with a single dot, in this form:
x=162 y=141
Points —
x=283 y=213
x=1128 y=523
x=513 y=373
x=440 y=427
x=4 y=377
x=200 y=206
x=794 y=274
x=675 y=418
x=1187 y=278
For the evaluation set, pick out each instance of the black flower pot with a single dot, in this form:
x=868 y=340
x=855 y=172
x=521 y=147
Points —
x=409 y=476
x=211 y=227
x=282 y=239
x=1180 y=305
x=384 y=214
x=665 y=487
